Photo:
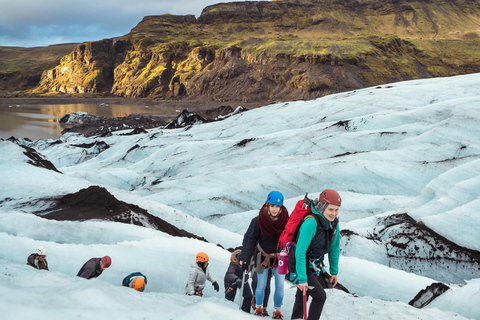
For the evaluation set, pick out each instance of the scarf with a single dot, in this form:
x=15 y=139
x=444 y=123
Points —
x=269 y=227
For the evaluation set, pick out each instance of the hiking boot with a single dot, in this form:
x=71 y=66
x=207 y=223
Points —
x=277 y=314
x=265 y=313
x=259 y=311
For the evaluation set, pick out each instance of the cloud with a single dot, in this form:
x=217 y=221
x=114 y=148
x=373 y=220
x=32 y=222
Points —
x=30 y=23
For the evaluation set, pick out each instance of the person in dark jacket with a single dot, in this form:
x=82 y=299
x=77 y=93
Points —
x=319 y=234
x=38 y=260
x=135 y=280
x=94 y=267
x=233 y=281
x=260 y=242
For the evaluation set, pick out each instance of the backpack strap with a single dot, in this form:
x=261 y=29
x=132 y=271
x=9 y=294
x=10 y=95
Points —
x=319 y=224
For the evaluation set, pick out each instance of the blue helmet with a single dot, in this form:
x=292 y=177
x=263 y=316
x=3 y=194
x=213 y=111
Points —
x=275 y=197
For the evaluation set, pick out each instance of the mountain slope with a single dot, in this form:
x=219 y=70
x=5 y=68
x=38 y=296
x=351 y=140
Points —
x=277 y=50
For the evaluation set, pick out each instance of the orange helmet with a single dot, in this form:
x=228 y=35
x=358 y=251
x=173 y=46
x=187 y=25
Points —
x=138 y=284
x=330 y=196
x=202 y=257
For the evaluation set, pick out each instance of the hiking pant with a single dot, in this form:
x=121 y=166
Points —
x=247 y=296
x=267 y=288
x=318 y=299
x=262 y=284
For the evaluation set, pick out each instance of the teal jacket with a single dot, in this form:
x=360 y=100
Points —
x=306 y=233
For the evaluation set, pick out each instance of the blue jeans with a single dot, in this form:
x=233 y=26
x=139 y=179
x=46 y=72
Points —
x=262 y=284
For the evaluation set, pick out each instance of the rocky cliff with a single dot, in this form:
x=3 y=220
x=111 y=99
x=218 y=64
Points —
x=277 y=50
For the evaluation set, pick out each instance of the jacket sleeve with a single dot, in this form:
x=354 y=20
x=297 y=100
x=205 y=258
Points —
x=209 y=276
x=306 y=234
x=334 y=254
x=43 y=265
x=192 y=277
x=250 y=240
x=230 y=276
x=31 y=261
x=126 y=281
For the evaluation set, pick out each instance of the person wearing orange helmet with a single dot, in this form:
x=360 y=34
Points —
x=199 y=273
x=135 y=280
x=318 y=235
x=94 y=267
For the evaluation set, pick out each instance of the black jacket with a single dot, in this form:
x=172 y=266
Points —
x=91 y=269
x=254 y=236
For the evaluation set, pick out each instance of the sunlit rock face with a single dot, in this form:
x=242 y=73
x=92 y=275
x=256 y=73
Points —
x=266 y=51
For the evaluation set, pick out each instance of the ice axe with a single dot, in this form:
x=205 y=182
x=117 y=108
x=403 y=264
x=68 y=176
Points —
x=305 y=305
x=240 y=299
x=294 y=285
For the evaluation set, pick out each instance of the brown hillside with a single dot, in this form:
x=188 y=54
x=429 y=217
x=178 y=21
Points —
x=277 y=50
x=21 y=68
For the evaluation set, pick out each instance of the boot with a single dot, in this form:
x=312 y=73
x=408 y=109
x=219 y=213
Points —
x=259 y=311
x=277 y=314
x=265 y=313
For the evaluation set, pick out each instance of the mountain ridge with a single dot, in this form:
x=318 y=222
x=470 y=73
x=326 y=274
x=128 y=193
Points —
x=267 y=51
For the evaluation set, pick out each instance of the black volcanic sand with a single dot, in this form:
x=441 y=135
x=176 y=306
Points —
x=96 y=202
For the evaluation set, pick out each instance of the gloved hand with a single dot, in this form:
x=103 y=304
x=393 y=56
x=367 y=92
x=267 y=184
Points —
x=239 y=283
x=215 y=286
x=245 y=266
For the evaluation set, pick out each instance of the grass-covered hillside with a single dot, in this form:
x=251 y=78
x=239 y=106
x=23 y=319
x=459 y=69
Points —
x=277 y=50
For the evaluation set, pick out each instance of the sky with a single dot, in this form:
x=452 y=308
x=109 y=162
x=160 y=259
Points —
x=384 y=153
x=30 y=23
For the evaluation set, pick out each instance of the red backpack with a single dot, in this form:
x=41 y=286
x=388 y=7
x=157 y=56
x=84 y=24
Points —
x=301 y=210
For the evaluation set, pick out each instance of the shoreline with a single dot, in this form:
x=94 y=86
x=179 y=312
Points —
x=197 y=106
x=113 y=112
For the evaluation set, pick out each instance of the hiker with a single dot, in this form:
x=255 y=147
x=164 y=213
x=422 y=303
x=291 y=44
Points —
x=260 y=242
x=38 y=259
x=136 y=281
x=233 y=282
x=94 y=267
x=198 y=274
x=318 y=234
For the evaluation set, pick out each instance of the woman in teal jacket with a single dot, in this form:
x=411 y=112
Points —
x=318 y=235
